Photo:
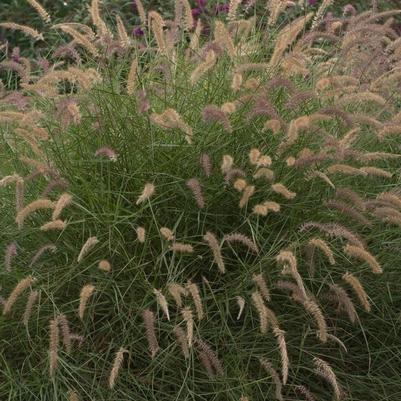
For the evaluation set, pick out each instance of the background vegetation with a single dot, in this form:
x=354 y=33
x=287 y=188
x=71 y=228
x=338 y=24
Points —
x=316 y=112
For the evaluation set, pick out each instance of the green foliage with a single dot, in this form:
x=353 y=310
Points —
x=106 y=144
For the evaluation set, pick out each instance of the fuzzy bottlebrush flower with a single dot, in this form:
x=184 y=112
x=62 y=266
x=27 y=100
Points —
x=283 y=190
x=122 y=33
x=265 y=173
x=184 y=12
x=228 y=107
x=358 y=289
x=344 y=301
x=206 y=164
x=222 y=36
x=32 y=141
x=181 y=247
x=372 y=156
x=40 y=10
x=389 y=130
x=313 y=308
x=182 y=341
x=344 y=116
x=55 y=183
x=263 y=107
x=296 y=293
x=205 y=361
x=213 y=113
x=234 y=173
x=254 y=155
x=345 y=169
x=264 y=208
x=189 y=320
x=16 y=98
x=148 y=191
x=243 y=239
x=287 y=258
x=79 y=38
x=21 y=286
x=350 y=195
x=214 y=245
x=167 y=233
x=344 y=208
x=348 y=139
x=33 y=296
x=265 y=314
x=376 y=172
x=140 y=234
x=236 y=81
x=286 y=37
x=41 y=251
x=157 y=24
x=259 y=280
x=36 y=164
x=100 y=25
x=53 y=346
x=388 y=215
x=23 y=28
x=334 y=230
x=194 y=41
x=132 y=77
x=89 y=244
x=118 y=360
x=194 y=292
x=300 y=98
x=240 y=184
x=233 y=9
x=67 y=51
x=392 y=199
x=214 y=361
x=272 y=125
x=11 y=252
x=248 y=191
x=177 y=291
x=162 y=302
x=78 y=338
x=264 y=160
x=17 y=67
x=323 y=369
x=362 y=254
x=202 y=68
x=324 y=247
x=54 y=225
x=241 y=305
x=149 y=321
x=227 y=164
x=33 y=206
x=268 y=367
x=302 y=390
x=86 y=291
x=171 y=119
x=141 y=11
x=108 y=152
x=104 y=265
x=65 y=331
x=194 y=185
x=279 y=334
x=321 y=175
x=72 y=396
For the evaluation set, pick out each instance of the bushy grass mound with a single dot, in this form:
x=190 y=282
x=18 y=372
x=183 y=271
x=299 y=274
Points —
x=204 y=216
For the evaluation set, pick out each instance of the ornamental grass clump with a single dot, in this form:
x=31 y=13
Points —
x=203 y=213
